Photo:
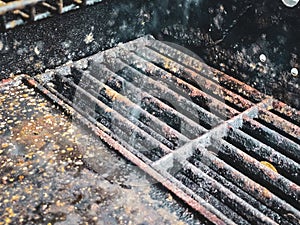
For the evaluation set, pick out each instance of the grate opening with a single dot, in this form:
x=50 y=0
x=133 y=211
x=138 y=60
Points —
x=279 y=186
x=204 y=70
x=202 y=188
x=285 y=166
x=208 y=88
x=272 y=126
x=271 y=138
x=131 y=76
x=256 y=190
x=200 y=164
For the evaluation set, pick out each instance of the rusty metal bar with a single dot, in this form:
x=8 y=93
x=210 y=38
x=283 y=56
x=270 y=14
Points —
x=185 y=89
x=259 y=150
x=162 y=169
x=188 y=179
x=238 y=191
x=188 y=126
x=60 y=5
x=119 y=121
x=256 y=190
x=32 y=13
x=272 y=138
x=132 y=155
x=127 y=109
x=217 y=106
x=203 y=69
x=280 y=124
x=218 y=92
x=49 y=6
x=17 y=5
x=124 y=105
x=240 y=206
x=155 y=88
x=250 y=166
x=287 y=112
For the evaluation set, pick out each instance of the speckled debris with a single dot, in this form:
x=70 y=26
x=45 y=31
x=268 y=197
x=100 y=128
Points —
x=53 y=171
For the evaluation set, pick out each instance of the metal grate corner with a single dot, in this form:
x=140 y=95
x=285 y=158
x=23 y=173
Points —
x=227 y=150
x=18 y=12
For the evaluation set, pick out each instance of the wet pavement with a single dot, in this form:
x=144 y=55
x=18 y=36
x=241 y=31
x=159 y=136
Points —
x=55 y=171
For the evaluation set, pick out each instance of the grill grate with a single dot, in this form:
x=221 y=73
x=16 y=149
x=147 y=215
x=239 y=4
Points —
x=227 y=150
x=15 y=13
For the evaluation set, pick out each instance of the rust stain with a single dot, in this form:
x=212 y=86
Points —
x=266 y=193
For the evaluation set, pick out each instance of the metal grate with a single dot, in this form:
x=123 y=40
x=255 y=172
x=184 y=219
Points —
x=14 y=13
x=227 y=150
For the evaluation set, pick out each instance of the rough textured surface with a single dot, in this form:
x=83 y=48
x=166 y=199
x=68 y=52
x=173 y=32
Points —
x=229 y=35
x=48 y=166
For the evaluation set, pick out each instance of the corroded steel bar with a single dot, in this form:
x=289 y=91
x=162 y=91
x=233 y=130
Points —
x=221 y=78
x=206 y=85
x=287 y=111
x=126 y=107
x=157 y=133
x=256 y=190
x=272 y=139
x=163 y=170
x=132 y=155
x=118 y=119
x=225 y=195
x=256 y=148
x=280 y=123
x=188 y=126
x=239 y=192
x=216 y=105
x=187 y=90
x=186 y=178
x=159 y=90
x=16 y=5
x=251 y=166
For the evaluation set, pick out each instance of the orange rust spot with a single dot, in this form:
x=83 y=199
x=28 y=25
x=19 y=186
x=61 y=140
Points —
x=112 y=94
x=5 y=81
x=32 y=82
x=266 y=193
